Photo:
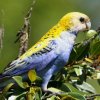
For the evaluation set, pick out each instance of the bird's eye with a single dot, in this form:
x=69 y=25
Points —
x=82 y=19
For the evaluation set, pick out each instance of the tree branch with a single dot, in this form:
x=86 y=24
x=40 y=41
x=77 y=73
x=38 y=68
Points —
x=23 y=33
x=91 y=97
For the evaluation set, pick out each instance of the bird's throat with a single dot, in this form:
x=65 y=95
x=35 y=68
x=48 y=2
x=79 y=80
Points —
x=68 y=37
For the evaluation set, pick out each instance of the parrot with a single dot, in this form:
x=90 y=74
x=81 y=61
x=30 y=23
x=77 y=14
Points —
x=51 y=53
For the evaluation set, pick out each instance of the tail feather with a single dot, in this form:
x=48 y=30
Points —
x=1 y=77
x=4 y=80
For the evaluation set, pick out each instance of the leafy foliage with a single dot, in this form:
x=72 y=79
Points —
x=69 y=84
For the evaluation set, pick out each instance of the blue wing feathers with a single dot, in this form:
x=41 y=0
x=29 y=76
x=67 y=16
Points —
x=38 y=60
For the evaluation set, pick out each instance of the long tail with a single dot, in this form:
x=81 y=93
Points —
x=5 y=80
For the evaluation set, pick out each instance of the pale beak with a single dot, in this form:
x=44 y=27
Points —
x=88 y=25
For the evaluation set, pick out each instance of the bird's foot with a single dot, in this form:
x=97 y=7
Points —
x=50 y=92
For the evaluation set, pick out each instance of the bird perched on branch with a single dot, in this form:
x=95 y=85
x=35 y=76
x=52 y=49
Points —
x=52 y=52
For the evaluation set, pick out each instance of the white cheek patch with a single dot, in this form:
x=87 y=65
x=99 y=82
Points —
x=79 y=28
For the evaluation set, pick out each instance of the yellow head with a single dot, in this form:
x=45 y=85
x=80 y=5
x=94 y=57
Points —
x=75 y=21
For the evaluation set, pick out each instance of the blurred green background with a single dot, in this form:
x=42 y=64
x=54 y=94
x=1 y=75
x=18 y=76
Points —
x=46 y=13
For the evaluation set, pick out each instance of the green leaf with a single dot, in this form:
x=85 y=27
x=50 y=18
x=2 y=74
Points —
x=98 y=80
x=95 y=48
x=19 y=81
x=77 y=96
x=2 y=97
x=71 y=87
x=31 y=94
x=78 y=71
x=32 y=75
x=52 y=98
x=54 y=89
x=98 y=75
x=7 y=88
x=79 y=52
x=86 y=87
x=21 y=96
x=26 y=85
x=68 y=97
x=37 y=96
x=91 y=33
x=66 y=86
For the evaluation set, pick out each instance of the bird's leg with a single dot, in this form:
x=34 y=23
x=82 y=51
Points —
x=47 y=76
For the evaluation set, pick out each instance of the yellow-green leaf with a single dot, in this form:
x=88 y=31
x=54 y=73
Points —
x=26 y=85
x=19 y=81
x=32 y=75
x=88 y=60
x=7 y=88
x=31 y=94
x=54 y=89
x=91 y=33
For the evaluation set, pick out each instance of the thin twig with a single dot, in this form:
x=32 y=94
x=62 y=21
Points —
x=1 y=36
x=23 y=34
x=91 y=97
x=2 y=29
